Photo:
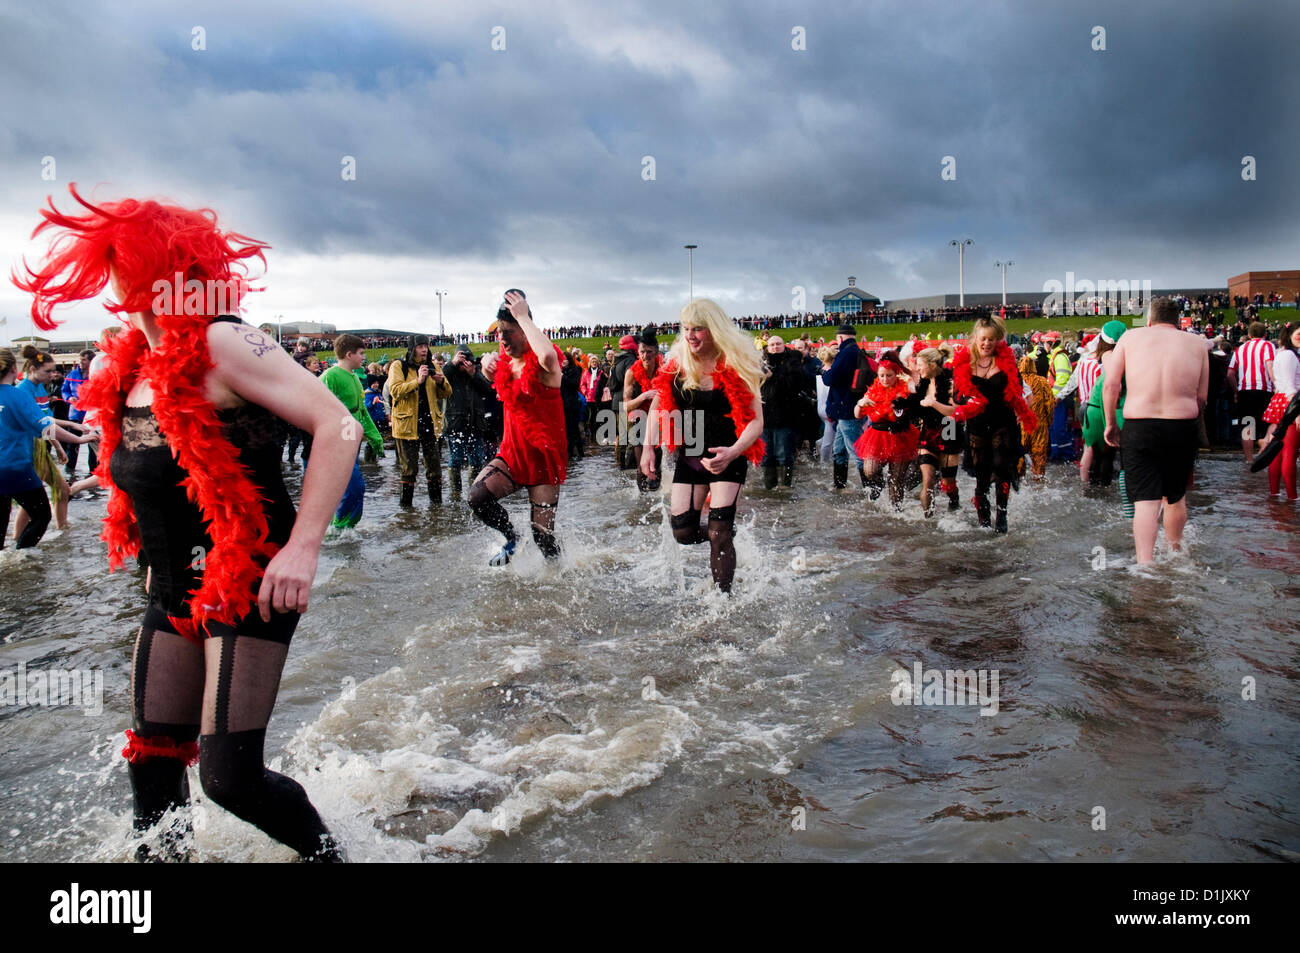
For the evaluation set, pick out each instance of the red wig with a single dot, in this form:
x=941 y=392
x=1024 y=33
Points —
x=146 y=243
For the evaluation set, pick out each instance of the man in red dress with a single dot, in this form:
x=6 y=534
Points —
x=534 y=449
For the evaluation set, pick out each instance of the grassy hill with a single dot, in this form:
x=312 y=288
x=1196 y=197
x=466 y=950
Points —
x=866 y=333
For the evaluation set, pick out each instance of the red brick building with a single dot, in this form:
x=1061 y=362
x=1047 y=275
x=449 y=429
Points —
x=1251 y=283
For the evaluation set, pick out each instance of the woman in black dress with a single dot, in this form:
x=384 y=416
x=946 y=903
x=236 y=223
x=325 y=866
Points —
x=989 y=398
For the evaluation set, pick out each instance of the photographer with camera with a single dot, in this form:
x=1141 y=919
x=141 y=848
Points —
x=416 y=385
x=466 y=420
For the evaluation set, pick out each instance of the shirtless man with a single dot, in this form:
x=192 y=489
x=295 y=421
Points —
x=1167 y=375
x=534 y=450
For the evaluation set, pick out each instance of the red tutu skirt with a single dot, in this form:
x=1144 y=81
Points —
x=1276 y=408
x=885 y=447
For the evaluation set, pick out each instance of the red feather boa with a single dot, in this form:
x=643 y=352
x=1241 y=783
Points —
x=883 y=397
x=738 y=394
x=644 y=379
x=216 y=481
x=509 y=387
x=963 y=385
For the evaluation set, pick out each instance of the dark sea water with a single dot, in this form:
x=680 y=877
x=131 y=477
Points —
x=616 y=707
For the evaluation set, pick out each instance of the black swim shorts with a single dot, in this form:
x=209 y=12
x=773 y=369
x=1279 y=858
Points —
x=1251 y=405
x=1158 y=456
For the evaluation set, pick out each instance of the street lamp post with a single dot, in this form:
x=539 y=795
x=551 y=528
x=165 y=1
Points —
x=961 y=268
x=690 y=262
x=440 y=293
x=279 y=333
x=1004 y=265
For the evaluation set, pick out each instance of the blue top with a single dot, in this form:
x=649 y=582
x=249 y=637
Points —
x=72 y=392
x=38 y=392
x=21 y=422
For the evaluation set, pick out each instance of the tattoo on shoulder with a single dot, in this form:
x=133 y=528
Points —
x=258 y=340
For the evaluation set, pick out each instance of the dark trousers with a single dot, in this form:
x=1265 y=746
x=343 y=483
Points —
x=72 y=450
x=37 y=505
x=408 y=459
x=778 y=446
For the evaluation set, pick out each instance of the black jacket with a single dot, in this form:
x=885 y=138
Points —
x=570 y=382
x=782 y=389
x=465 y=409
x=622 y=363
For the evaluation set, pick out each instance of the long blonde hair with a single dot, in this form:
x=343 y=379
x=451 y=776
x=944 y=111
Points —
x=734 y=346
x=993 y=323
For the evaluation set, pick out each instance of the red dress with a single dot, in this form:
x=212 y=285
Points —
x=534 y=445
x=889 y=439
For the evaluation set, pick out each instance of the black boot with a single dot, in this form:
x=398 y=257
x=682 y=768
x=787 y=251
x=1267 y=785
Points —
x=408 y=495
x=453 y=475
x=435 y=492
x=769 y=477
x=1003 y=494
x=787 y=476
x=875 y=485
x=160 y=785
x=954 y=501
x=981 y=501
x=841 y=475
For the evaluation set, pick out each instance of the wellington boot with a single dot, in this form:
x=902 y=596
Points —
x=408 y=495
x=787 y=476
x=841 y=475
x=769 y=477
x=453 y=476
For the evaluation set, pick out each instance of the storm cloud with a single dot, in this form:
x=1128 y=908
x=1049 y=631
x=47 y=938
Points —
x=479 y=168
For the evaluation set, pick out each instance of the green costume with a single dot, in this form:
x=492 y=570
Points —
x=347 y=388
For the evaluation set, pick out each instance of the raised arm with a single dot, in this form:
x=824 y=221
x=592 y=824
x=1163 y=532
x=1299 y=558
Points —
x=538 y=341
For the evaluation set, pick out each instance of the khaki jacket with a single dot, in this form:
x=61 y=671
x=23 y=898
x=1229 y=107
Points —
x=403 y=391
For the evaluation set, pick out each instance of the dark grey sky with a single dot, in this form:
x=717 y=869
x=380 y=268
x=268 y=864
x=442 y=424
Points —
x=479 y=169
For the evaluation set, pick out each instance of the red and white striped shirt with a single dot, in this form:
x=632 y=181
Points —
x=1248 y=361
x=1089 y=371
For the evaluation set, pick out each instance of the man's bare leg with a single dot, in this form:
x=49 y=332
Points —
x=1146 y=525
x=1175 y=519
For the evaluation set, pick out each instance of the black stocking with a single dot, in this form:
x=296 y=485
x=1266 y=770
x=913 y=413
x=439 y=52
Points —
x=166 y=694
x=493 y=482
x=243 y=676
x=687 y=529
x=722 y=549
x=544 y=500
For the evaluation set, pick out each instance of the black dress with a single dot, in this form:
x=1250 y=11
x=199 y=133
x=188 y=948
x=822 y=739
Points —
x=993 y=447
x=172 y=533
x=713 y=408
x=933 y=424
